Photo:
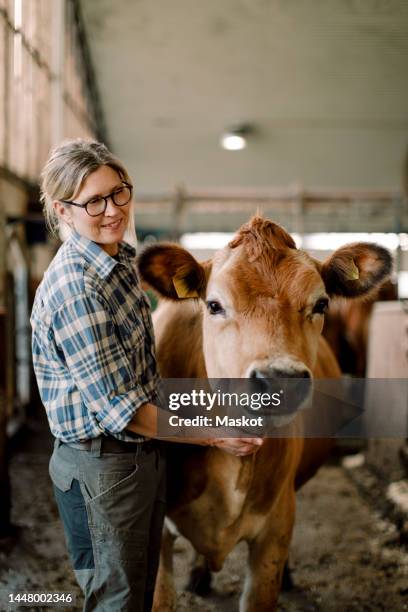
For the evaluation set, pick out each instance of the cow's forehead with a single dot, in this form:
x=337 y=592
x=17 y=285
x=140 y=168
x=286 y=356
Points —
x=287 y=274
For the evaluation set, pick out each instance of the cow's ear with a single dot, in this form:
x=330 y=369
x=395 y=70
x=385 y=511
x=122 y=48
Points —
x=172 y=271
x=356 y=269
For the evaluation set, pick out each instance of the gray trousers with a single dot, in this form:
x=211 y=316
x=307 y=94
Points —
x=112 y=507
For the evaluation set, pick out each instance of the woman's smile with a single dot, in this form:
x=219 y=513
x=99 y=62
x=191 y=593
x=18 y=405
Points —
x=113 y=225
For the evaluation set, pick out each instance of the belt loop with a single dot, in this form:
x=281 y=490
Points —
x=96 y=446
x=57 y=443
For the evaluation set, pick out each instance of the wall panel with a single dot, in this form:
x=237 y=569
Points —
x=30 y=114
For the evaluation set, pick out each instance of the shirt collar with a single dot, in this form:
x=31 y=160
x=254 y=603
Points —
x=95 y=255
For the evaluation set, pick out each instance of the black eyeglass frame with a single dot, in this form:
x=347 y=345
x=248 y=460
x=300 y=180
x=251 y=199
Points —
x=106 y=198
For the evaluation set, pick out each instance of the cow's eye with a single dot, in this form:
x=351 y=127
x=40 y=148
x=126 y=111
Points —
x=321 y=306
x=214 y=307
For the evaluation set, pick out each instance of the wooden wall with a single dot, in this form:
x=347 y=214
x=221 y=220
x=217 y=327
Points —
x=44 y=83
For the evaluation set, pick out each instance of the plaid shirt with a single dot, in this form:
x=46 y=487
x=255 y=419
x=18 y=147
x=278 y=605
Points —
x=92 y=342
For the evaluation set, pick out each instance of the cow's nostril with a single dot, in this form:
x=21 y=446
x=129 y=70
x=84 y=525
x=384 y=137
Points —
x=258 y=374
x=260 y=382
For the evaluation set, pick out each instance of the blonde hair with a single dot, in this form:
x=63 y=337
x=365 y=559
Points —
x=69 y=164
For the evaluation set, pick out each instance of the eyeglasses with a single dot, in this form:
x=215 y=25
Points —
x=96 y=206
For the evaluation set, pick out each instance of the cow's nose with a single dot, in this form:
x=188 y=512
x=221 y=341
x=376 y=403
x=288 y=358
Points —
x=259 y=373
x=262 y=381
x=294 y=386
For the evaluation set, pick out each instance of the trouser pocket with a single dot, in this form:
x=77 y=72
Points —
x=61 y=471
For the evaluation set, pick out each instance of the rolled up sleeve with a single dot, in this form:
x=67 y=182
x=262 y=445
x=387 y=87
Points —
x=89 y=347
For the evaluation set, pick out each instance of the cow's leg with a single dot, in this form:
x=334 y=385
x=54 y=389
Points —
x=268 y=554
x=165 y=594
x=200 y=577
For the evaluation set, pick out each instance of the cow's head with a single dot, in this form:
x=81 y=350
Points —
x=264 y=299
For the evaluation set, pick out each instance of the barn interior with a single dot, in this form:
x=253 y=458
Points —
x=219 y=110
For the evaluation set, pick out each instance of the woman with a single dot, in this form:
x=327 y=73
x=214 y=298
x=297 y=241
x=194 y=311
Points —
x=93 y=356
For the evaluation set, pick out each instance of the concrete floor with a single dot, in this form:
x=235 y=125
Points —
x=345 y=557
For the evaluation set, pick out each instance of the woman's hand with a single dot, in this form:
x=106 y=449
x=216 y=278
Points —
x=145 y=422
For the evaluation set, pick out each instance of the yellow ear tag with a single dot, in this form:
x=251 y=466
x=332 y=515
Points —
x=353 y=272
x=182 y=290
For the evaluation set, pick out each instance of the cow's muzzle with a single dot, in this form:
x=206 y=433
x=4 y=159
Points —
x=292 y=386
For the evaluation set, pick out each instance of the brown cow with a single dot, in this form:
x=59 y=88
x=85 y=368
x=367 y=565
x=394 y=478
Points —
x=260 y=313
x=346 y=328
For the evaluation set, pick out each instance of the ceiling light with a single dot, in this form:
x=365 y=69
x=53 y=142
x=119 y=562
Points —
x=233 y=142
x=235 y=138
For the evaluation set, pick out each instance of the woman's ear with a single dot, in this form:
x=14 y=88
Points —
x=63 y=212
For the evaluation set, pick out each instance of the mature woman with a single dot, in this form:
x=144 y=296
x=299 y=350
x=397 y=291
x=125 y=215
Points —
x=93 y=356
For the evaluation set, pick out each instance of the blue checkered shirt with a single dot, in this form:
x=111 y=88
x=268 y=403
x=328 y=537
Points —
x=92 y=342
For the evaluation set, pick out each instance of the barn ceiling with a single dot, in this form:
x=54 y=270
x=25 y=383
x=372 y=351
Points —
x=324 y=83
